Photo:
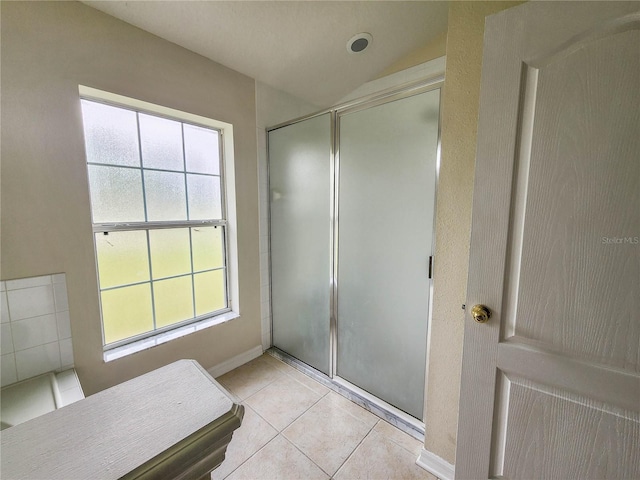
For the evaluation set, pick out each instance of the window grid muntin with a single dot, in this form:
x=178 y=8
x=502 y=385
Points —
x=144 y=192
x=150 y=112
x=106 y=289
x=193 y=272
x=146 y=225
x=151 y=280
x=193 y=279
x=153 y=169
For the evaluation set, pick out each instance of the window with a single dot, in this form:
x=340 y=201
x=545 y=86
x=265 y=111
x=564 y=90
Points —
x=160 y=216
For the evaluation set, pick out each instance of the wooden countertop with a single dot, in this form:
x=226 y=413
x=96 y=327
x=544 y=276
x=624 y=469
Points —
x=174 y=422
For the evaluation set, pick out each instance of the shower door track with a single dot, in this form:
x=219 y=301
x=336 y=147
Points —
x=373 y=404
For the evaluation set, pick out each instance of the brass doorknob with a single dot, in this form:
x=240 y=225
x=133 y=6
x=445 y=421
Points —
x=481 y=313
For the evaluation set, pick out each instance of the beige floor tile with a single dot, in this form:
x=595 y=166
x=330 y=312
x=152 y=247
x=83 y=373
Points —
x=279 y=460
x=250 y=377
x=282 y=401
x=354 y=409
x=398 y=436
x=280 y=365
x=253 y=434
x=378 y=458
x=308 y=381
x=327 y=434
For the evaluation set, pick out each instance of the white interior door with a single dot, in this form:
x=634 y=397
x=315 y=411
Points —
x=551 y=383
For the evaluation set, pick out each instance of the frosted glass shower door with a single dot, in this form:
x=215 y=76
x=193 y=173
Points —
x=300 y=188
x=387 y=179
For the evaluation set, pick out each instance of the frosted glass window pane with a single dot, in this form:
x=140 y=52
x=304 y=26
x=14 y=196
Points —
x=209 y=290
x=202 y=152
x=161 y=143
x=116 y=194
x=122 y=258
x=300 y=180
x=206 y=244
x=126 y=312
x=110 y=134
x=170 y=252
x=166 y=196
x=173 y=300
x=204 y=197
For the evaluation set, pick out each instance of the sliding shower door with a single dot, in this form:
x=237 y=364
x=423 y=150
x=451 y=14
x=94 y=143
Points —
x=300 y=189
x=351 y=241
x=387 y=179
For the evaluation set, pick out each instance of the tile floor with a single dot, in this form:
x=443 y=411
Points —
x=296 y=428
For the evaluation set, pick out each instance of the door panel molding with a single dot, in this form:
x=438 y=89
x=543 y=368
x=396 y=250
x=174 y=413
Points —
x=591 y=379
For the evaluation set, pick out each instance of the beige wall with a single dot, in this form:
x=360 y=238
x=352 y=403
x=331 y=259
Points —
x=453 y=219
x=47 y=50
x=434 y=49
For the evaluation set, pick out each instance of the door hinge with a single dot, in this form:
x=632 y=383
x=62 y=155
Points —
x=431 y=267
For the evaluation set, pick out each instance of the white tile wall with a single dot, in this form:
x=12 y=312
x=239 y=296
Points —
x=4 y=306
x=6 y=340
x=66 y=353
x=64 y=325
x=37 y=360
x=30 y=302
x=67 y=380
x=60 y=296
x=28 y=282
x=8 y=367
x=69 y=387
x=36 y=328
x=35 y=331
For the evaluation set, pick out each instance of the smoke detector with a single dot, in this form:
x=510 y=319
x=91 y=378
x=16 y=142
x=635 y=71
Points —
x=359 y=42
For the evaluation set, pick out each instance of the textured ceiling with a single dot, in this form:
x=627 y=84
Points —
x=298 y=47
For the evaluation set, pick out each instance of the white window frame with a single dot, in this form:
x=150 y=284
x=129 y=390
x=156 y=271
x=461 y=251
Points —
x=127 y=347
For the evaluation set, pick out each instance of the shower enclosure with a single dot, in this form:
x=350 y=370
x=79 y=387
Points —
x=352 y=225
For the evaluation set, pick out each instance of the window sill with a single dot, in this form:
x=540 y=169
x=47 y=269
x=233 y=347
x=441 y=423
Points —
x=164 y=337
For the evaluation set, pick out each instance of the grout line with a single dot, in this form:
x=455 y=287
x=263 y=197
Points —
x=254 y=453
x=328 y=391
x=284 y=372
x=306 y=456
x=371 y=429
x=24 y=288
x=249 y=458
x=252 y=394
x=359 y=406
x=296 y=418
x=15 y=365
x=354 y=397
x=398 y=443
x=36 y=346
x=309 y=388
x=13 y=345
x=356 y=447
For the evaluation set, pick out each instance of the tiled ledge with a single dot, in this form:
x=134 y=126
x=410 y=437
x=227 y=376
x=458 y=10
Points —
x=35 y=328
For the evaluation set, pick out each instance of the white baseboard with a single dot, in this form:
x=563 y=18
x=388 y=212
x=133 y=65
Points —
x=432 y=463
x=235 y=362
